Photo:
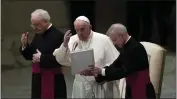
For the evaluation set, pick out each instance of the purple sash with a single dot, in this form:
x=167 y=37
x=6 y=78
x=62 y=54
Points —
x=47 y=80
x=138 y=82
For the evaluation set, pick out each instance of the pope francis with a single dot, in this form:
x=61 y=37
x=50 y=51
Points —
x=104 y=54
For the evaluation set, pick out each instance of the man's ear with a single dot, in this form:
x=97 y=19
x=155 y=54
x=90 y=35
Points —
x=46 y=21
x=90 y=26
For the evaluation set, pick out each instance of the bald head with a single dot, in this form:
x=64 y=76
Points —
x=117 y=28
x=82 y=27
x=118 y=34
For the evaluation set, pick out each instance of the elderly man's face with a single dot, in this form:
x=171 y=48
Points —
x=117 y=39
x=83 y=29
x=38 y=25
x=113 y=37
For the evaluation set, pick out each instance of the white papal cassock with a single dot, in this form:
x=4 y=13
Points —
x=104 y=53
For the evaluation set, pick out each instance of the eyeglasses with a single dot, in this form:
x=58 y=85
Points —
x=34 y=27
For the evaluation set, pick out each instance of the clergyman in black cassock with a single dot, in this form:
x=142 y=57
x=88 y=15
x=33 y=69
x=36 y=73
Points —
x=132 y=64
x=47 y=78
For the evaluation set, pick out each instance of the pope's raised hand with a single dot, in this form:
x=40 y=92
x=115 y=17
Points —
x=67 y=38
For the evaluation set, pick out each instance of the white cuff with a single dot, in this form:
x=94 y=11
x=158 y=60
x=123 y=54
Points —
x=23 y=48
x=60 y=49
x=62 y=55
x=103 y=72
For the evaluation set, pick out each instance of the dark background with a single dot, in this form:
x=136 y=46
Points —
x=152 y=21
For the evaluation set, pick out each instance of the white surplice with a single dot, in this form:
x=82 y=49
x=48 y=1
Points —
x=104 y=53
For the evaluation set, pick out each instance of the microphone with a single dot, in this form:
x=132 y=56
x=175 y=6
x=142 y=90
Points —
x=75 y=46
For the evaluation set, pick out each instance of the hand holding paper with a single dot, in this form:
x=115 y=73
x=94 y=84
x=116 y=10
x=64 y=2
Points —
x=91 y=71
x=88 y=71
x=82 y=60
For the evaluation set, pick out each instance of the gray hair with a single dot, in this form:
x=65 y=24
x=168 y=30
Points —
x=43 y=14
x=117 y=28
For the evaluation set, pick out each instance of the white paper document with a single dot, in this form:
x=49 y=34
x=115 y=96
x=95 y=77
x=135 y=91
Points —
x=80 y=60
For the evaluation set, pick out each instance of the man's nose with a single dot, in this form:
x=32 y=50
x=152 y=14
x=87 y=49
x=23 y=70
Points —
x=79 y=33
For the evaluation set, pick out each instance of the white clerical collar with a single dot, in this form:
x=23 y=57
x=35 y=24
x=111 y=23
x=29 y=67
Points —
x=128 y=39
x=49 y=26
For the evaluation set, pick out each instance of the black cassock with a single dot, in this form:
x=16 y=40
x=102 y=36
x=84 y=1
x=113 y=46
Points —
x=133 y=65
x=47 y=78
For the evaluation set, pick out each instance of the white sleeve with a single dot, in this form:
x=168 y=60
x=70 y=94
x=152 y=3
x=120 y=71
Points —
x=62 y=55
x=110 y=53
